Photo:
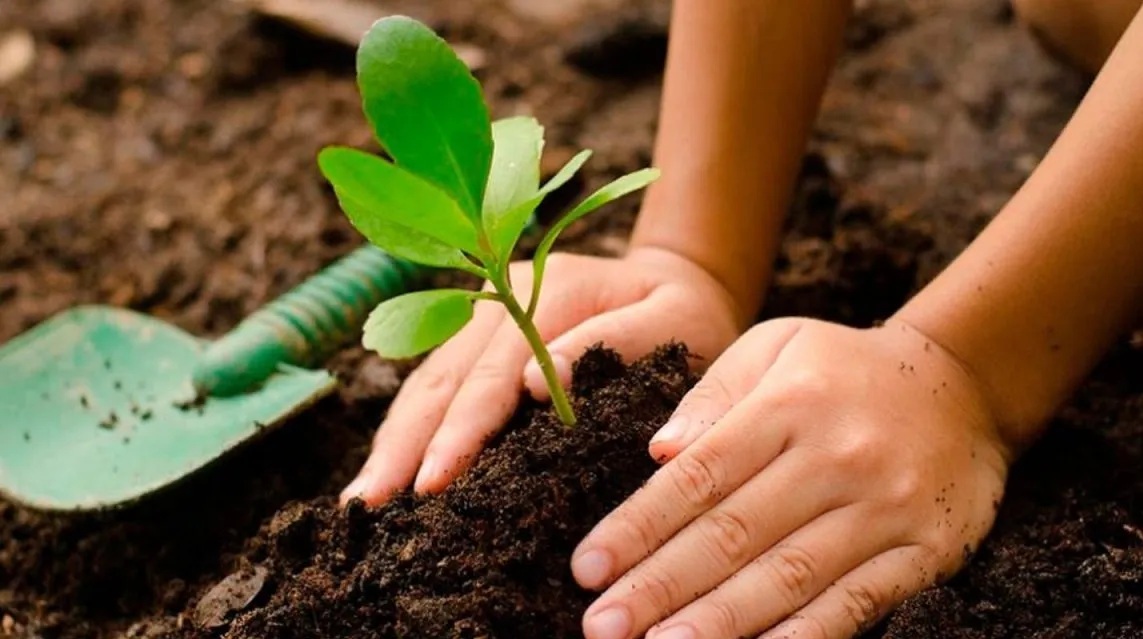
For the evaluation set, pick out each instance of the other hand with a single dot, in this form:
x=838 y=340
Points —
x=818 y=476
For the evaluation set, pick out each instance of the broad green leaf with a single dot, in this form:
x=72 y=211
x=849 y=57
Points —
x=426 y=108
x=512 y=224
x=413 y=323
x=515 y=175
x=389 y=193
x=402 y=241
x=607 y=193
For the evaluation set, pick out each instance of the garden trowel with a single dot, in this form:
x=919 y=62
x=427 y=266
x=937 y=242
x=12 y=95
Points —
x=100 y=406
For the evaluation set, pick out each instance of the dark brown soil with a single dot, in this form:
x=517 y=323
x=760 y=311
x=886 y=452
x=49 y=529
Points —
x=487 y=558
x=159 y=155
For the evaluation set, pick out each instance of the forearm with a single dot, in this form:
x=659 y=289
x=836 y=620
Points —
x=1037 y=299
x=743 y=83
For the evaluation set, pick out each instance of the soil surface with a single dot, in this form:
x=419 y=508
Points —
x=487 y=558
x=159 y=155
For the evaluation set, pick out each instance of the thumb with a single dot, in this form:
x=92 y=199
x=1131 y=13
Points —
x=730 y=378
x=632 y=331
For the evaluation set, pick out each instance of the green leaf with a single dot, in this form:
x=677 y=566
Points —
x=511 y=225
x=515 y=175
x=426 y=108
x=402 y=241
x=411 y=324
x=379 y=190
x=606 y=194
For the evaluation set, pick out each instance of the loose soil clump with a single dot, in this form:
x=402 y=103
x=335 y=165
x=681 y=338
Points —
x=487 y=558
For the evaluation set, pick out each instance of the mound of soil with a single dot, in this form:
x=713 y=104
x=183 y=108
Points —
x=487 y=558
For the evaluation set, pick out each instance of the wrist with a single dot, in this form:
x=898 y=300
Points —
x=693 y=273
x=1020 y=404
x=741 y=261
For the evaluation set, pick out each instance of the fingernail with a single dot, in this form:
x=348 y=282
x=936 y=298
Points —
x=610 y=623
x=534 y=375
x=672 y=430
x=355 y=489
x=562 y=366
x=681 y=631
x=592 y=569
x=427 y=474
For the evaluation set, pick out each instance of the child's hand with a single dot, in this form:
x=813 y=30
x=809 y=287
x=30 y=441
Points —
x=820 y=475
x=468 y=388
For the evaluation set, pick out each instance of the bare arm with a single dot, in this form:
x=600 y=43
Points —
x=744 y=79
x=1038 y=298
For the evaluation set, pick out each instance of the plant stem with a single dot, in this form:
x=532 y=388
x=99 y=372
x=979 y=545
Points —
x=543 y=357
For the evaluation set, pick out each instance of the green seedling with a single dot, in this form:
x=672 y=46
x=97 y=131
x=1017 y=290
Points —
x=458 y=192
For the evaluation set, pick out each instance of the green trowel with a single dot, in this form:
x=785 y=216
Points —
x=100 y=406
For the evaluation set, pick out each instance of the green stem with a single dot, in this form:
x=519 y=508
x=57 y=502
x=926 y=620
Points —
x=543 y=357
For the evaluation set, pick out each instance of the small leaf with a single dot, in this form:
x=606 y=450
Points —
x=381 y=190
x=426 y=108
x=512 y=224
x=606 y=194
x=402 y=241
x=515 y=175
x=413 y=323
x=566 y=173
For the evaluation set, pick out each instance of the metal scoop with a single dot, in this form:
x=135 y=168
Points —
x=100 y=406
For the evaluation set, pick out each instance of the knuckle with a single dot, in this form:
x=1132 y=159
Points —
x=696 y=476
x=640 y=524
x=905 y=488
x=858 y=450
x=433 y=380
x=795 y=572
x=726 y=618
x=862 y=605
x=487 y=372
x=711 y=389
x=806 y=385
x=657 y=590
x=728 y=535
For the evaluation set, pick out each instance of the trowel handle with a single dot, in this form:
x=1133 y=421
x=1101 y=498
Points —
x=305 y=325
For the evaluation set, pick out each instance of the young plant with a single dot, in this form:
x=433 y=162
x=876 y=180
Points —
x=458 y=192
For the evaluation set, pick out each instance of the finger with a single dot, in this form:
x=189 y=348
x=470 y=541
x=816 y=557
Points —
x=690 y=485
x=729 y=379
x=631 y=323
x=862 y=597
x=627 y=330
x=719 y=543
x=418 y=408
x=781 y=581
x=486 y=398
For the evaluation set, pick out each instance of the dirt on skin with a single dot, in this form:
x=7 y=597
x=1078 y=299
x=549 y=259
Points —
x=159 y=155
